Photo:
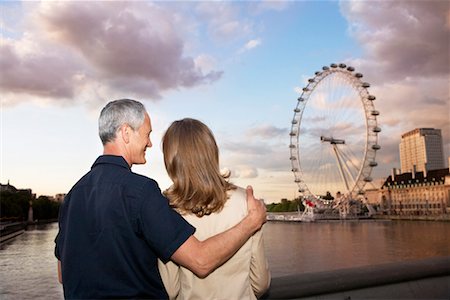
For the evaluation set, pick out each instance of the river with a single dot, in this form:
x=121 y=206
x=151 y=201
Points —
x=28 y=266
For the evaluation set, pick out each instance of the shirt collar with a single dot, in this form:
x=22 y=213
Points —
x=112 y=160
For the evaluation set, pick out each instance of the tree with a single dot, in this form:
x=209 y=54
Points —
x=45 y=209
x=328 y=196
x=14 y=205
x=285 y=205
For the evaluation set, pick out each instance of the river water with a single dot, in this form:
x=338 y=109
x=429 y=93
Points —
x=28 y=266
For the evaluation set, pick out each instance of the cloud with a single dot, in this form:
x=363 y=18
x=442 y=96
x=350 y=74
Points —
x=205 y=62
x=250 y=45
x=277 y=5
x=224 y=22
x=402 y=39
x=263 y=154
x=267 y=132
x=243 y=171
x=406 y=60
x=118 y=47
x=42 y=74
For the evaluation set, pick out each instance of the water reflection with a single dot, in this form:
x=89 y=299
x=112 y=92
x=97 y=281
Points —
x=28 y=266
x=315 y=247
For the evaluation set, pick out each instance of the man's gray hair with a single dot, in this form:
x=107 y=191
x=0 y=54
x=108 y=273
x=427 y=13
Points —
x=117 y=113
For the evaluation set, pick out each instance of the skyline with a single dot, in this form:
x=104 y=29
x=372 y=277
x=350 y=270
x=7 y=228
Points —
x=236 y=66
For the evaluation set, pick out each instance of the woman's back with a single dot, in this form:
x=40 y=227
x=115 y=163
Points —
x=243 y=275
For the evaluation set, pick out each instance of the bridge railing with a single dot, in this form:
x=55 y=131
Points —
x=381 y=279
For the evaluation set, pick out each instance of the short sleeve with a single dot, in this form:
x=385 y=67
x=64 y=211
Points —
x=162 y=227
x=60 y=235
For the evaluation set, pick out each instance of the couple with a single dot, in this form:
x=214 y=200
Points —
x=114 y=224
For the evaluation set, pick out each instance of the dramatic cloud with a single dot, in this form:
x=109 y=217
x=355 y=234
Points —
x=43 y=74
x=131 y=47
x=403 y=39
x=406 y=60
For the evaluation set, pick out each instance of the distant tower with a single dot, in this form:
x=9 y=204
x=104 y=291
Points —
x=421 y=150
x=30 y=213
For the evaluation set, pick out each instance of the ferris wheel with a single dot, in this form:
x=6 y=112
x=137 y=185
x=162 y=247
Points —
x=334 y=135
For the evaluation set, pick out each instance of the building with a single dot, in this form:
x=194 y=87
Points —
x=415 y=193
x=7 y=188
x=12 y=189
x=421 y=150
x=59 y=197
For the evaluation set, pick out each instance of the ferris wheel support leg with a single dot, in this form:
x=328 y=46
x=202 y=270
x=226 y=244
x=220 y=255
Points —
x=341 y=171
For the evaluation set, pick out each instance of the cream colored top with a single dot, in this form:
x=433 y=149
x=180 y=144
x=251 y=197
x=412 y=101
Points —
x=245 y=274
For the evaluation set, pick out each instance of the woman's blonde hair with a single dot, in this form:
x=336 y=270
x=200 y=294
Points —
x=191 y=157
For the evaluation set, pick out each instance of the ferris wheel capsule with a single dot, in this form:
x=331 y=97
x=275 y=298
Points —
x=376 y=147
x=376 y=129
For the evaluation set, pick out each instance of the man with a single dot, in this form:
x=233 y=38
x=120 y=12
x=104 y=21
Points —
x=114 y=223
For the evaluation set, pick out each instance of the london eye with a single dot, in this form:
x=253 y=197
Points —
x=334 y=137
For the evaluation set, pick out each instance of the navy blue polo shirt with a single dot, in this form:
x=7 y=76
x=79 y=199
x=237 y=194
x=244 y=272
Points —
x=113 y=225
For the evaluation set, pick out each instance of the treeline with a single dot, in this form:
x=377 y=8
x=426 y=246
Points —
x=285 y=206
x=292 y=205
x=15 y=206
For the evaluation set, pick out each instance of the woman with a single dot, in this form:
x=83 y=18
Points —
x=204 y=197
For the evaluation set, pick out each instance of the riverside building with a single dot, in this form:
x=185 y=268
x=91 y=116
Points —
x=417 y=193
x=421 y=150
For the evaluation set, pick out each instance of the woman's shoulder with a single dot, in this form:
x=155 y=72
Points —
x=237 y=198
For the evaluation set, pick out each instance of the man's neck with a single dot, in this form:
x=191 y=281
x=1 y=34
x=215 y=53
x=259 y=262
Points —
x=113 y=149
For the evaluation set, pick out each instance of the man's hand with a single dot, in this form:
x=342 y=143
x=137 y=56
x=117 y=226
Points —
x=256 y=210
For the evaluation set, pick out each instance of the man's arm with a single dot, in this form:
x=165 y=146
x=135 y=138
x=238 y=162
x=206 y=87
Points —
x=203 y=257
x=59 y=272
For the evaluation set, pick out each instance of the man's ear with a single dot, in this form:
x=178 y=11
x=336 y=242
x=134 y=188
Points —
x=125 y=133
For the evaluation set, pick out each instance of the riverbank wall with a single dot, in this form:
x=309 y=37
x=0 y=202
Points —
x=441 y=217
x=295 y=217
x=11 y=230
x=422 y=279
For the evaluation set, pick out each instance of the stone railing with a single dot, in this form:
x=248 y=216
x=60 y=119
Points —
x=421 y=279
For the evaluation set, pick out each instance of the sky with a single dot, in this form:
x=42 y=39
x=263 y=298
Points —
x=237 y=66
